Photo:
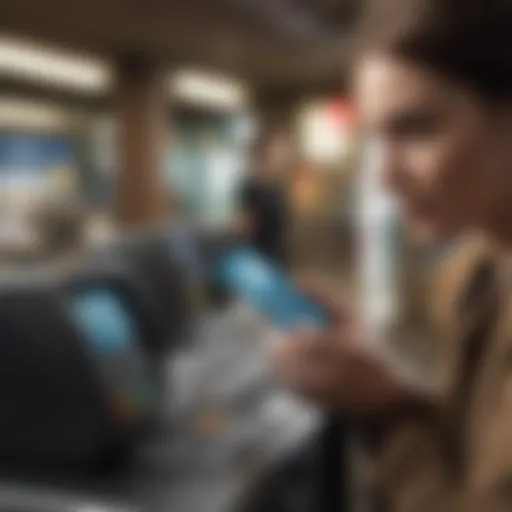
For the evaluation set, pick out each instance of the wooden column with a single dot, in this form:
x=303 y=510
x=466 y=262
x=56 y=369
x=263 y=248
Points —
x=142 y=107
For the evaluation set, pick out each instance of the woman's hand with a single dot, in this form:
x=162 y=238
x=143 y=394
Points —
x=336 y=368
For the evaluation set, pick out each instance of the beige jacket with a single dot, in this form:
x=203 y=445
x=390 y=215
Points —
x=459 y=458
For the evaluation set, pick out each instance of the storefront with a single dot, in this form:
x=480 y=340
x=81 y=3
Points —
x=207 y=160
x=39 y=167
x=322 y=185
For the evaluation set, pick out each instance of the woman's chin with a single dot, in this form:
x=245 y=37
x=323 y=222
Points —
x=427 y=231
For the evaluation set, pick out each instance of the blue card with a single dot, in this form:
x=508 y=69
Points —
x=257 y=281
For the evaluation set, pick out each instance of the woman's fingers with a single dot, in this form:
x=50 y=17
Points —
x=335 y=368
x=309 y=363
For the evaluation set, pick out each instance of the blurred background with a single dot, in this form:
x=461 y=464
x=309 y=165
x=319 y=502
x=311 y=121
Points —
x=119 y=117
x=72 y=82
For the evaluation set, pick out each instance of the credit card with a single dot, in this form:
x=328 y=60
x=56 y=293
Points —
x=257 y=281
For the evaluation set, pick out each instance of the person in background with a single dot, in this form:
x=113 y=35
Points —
x=263 y=217
x=433 y=87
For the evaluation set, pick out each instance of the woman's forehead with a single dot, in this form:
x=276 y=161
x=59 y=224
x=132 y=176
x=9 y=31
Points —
x=385 y=88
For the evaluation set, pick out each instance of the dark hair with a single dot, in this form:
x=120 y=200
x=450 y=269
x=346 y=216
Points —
x=467 y=41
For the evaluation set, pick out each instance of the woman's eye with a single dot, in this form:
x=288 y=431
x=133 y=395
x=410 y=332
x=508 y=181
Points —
x=415 y=127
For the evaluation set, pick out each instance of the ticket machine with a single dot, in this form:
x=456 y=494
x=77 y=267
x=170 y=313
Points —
x=77 y=386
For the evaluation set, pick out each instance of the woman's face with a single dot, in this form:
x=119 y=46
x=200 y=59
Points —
x=446 y=154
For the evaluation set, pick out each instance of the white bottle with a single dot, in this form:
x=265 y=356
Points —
x=380 y=247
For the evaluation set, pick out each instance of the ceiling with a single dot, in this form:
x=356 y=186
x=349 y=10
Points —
x=276 y=45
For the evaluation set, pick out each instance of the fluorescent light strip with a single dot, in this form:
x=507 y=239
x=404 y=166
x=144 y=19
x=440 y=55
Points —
x=37 y=63
x=208 y=90
x=27 y=61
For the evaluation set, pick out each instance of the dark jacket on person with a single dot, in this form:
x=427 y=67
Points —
x=265 y=203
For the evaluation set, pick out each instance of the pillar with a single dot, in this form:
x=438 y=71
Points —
x=276 y=110
x=141 y=107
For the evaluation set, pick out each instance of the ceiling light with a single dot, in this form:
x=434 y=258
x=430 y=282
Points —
x=24 y=60
x=208 y=90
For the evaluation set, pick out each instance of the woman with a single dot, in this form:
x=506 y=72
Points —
x=433 y=86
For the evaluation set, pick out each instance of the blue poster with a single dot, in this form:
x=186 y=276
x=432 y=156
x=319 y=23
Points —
x=33 y=153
